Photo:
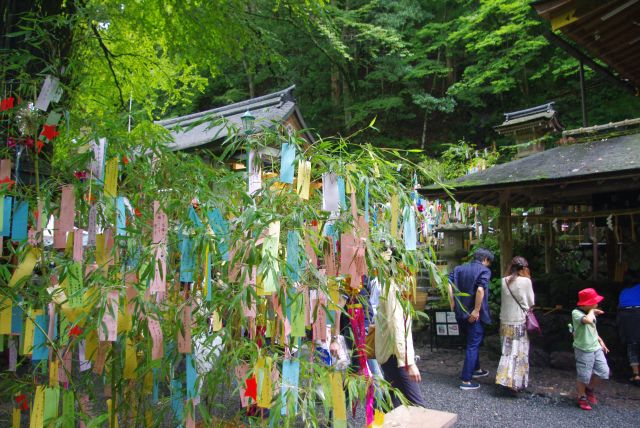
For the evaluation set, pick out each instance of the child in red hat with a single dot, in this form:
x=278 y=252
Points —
x=589 y=348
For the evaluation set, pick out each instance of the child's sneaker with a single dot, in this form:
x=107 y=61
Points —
x=584 y=403
x=591 y=397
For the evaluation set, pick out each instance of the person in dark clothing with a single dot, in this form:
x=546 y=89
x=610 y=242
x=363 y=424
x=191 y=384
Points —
x=628 y=320
x=469 y=298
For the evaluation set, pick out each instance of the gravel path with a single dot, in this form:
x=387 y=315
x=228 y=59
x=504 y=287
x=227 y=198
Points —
x=486 y=408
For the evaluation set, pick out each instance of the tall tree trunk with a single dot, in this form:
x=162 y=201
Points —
x=249 y=73
x=346 y=102
x=335 y=86
x=423 y=142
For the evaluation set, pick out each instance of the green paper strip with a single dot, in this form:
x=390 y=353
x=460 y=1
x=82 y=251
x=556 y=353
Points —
x=51 y=402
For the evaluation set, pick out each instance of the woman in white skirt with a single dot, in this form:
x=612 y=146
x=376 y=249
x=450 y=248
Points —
x=517 y=297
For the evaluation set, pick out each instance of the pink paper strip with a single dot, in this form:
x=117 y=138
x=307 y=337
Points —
x=156 y=338
x=241 y=376
x=108 y=329
x=78 y=250
x=92 y=225
x=184 y=340
x=320 y=321
x=64 y=222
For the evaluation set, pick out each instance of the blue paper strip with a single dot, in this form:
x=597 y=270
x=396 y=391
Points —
x=191 y=377
x=20 y=220
x=40 y=350
x=220 y=228
x=342 y=194
x=208 y=279
x=187 y=260
x=289 y=389
x=121 y=217
x=156 y=388
x=177 y=402
x=293 y=256
x=17 y=318
x=193 y=216
x=6 y=216
x=287 y=167
x=410 y=232
x=366 y=202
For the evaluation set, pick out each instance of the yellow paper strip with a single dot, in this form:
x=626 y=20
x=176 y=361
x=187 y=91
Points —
x=304 y=179
x=5 y=315
x=395 y=212
x=37 y=409
x=109 y=412
x=29 y=330
x=265 y=391
x=25 y=268
x=216 y=321
x=337 y=397
x=53 y=373
x=130 y=360
x=16 y=418
x=111 y=178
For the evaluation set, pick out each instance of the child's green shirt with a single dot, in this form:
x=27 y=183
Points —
x=585 y=336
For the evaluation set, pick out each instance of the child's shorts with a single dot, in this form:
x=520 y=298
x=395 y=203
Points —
x=588 y=363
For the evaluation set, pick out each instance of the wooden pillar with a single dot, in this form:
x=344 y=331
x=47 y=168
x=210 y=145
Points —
x=506 y=241
x=593 y=235
x=548 y=247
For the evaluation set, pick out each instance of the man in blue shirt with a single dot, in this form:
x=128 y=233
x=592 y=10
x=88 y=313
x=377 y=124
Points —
x=472 y=310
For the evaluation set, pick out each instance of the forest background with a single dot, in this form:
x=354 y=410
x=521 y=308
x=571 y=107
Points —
x=432 y=72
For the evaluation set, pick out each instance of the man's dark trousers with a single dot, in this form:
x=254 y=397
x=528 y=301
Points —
x=474 y=333
x=398 y=378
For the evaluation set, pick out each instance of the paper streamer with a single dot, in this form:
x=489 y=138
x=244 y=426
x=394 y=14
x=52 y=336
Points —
x=160 y=228
x=111 y=178
x=37 y=408
x=85 y=364
x=92 y=225
x=338 y=400
x=51 y=403
x=297 y=309
x=289 y=391
x=220 y=229
x=395 y=207
x=254 y=168
x=75 y=289
x=409 y=233
x=5 y=220
x=318 y=305
x=108 y=328
x=191 y=377
x=78 y=249
x=330 y=195
x=177 y=402
x=25 y=268
x=6 y=315
x=97 y=164
x=19 y=221
x=311 y=242
x=155 y=331
x=17 y=316
x=241 y=377
x=270 y=254
x=342 y=196
x=40 y=350
x=121 y=216
x=66 y=217
x=187 y=259
x=263 y=377
x=304 y=179
x=184 y=334
x=130 y=360
x=294 y=265
x=287 y=159
x=68 y=408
